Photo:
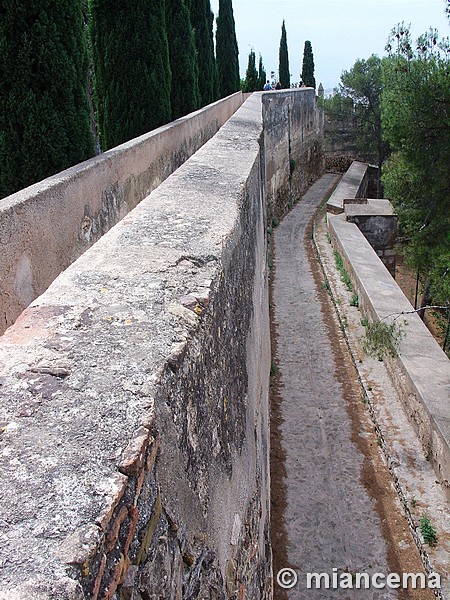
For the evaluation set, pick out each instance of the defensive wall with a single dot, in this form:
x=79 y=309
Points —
x=134 y=440
x=421 y=371
x=47 y=226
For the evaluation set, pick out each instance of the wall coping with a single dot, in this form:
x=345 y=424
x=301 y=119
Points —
x=424 y=366
x=348 y=186
x=117 y=320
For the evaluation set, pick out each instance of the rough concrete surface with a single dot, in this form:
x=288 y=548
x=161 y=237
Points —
x=340 y=509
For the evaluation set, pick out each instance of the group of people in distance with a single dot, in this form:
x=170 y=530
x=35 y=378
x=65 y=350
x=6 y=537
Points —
x=277 y=86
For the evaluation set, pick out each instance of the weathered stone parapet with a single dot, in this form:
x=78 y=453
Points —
x=46 y=226
x=134 y=445
x=134 y=392
x=421 y=372
x=378 y=223
x=354 y=184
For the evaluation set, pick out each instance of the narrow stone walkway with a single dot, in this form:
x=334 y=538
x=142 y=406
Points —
x=325 y=512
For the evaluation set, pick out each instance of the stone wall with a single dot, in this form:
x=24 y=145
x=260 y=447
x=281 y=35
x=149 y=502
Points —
x=293 y=138
x=134 y=397
x=421 y=371
x=45 y=227
x=378 y=223
x=134 y=453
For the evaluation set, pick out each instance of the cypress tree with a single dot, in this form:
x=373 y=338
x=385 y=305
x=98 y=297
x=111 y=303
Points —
x=262 y=75
x=308 y=66
x=285 y=76
x=44 y=114
x=132 y=70
x=227 y=50
x=251 y=81
x=202 y=20
x=185 y=93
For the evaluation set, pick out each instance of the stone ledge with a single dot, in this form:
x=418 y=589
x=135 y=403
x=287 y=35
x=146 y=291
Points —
x=39 y=243
x=352 y=185
x=421 y=372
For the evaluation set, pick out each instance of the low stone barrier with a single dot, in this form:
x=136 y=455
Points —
x=354 y=184
x=134 y=445
x=46 y=226
x=421 y=372
x=134 y=393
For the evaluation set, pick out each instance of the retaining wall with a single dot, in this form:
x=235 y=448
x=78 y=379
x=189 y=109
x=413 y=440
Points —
x=46 y=226
x=354 y=184
x=421 y=372
x=135 y=437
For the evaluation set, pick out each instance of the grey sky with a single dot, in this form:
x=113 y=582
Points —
x=340 y=31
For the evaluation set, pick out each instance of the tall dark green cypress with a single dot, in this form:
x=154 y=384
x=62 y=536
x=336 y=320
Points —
x=227 y=50
x=308 y=66
x=132 y=70
x=251 y=75
x=262 y=75
x=202 y=21
x=44 y=114
x=284 y=74
x=185 y=93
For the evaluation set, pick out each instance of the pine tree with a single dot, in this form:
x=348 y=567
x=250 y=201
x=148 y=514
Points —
x=308 y=66
x=132 y=70
x=285 y=76
x=251 y=80
x=227 y=50
x=262 y=75
x=185 y=93
x=44 y=114
x=202 y=20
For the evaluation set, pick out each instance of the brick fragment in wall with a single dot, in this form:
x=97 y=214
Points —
x=134 y=515
x=113 y=533
x=118 y=576
x=133 y=455
x=146 y=541
x=118 y=486
x=154 y=442
x=98 y=579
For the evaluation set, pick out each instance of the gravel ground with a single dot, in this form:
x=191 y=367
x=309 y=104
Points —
x=334 y=505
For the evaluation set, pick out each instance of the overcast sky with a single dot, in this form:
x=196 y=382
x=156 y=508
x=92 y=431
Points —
x=340 y=31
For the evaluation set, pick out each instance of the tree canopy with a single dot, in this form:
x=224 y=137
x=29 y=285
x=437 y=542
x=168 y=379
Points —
x=202 y=20
x=251 y=81
x=416 y=123
x=227 y=50
x=262 y=75
x=284 y=73
x=360 y=91
x=44 y=113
